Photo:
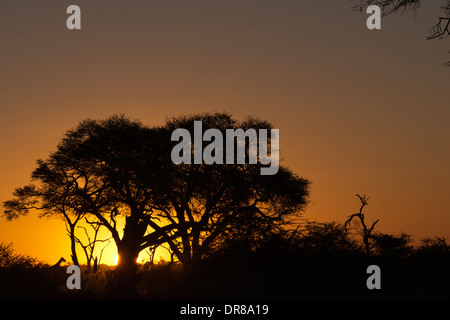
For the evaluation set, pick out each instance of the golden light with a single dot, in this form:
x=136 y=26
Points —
x=116 y=260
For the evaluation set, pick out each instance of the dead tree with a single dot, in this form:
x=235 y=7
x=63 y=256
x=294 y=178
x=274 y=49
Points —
x=90 y=246
x=366 y=232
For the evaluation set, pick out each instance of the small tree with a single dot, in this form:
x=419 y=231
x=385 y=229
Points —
x=51 y=200
x=326 y=235
x=365 y=231
x=434 y=246
x=92 y=241
x=11 y=260
x=392 y=245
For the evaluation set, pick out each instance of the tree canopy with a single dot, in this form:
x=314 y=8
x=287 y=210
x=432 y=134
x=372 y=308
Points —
x=104 y=169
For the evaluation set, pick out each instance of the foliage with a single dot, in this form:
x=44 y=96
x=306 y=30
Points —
x=103 y=169
x=11 y=260
x=326 y=235
x=238 y=233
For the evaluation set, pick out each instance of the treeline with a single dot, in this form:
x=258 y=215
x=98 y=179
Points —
x=231 y=231
x=319 y=260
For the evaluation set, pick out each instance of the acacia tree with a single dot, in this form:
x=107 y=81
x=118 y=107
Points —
x=102 y=169
x=116 y=167
x=213 y=202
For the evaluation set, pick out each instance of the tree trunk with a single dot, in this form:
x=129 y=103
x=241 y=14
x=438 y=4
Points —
x=191 y=259
x=196 y=253
x=125 y=273
x=128 y=249
x=73 y=245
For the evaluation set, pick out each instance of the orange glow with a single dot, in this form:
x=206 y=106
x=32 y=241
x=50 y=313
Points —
x=116 y=260
x=369 y=116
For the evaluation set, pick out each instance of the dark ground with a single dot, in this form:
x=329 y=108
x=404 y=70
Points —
x=273 y=271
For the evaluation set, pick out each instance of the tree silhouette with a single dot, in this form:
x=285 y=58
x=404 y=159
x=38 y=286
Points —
x=365 y=231
x=391 y=245
x=325 y=235
x=387 y=6
x=439 y=30
x=106 y=169
x=92 y=241
x=103 y=169
x=220 y=201
x=393 y=6
x=51 y=201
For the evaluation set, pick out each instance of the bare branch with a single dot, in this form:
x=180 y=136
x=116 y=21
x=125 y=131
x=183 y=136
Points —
x=438 y=31
x=365 y=232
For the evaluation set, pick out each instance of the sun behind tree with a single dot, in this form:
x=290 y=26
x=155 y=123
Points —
x=113 y=168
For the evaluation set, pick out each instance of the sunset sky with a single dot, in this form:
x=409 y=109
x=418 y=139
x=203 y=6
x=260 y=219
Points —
x=358 y=111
